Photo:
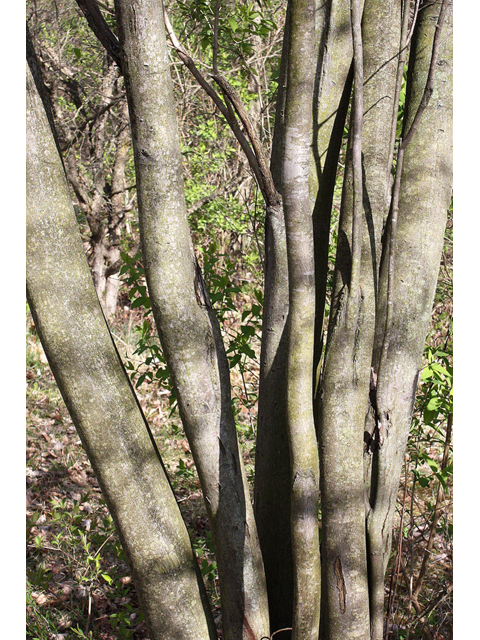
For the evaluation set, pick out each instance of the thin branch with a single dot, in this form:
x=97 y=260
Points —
x=413 y=22
x=76 y=135
x=220 y=191
x=101 y=29
x=231 y=95
x=431 y=74
x=402 y=58
x=215 y=38
x=356 y=14
x=391 y=273
x=225 y=111
x=398 y=559
x=62 y=551
x=437 y=513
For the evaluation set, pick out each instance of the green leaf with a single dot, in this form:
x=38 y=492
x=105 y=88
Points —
x=247 y=330
x=429 y=416
x=442 y=479
x=434 y=403
x=259 y=295
x=233 y=24
x=432 y=464
x=235 y=360
x=427 y=373
x=141 y=302
x=439 y=369
x=140 y=380
x=249 y=352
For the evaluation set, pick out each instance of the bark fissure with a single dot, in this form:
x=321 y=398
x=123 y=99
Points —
x=342 y=592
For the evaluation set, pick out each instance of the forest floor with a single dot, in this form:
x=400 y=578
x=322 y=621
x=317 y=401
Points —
x=78 y=582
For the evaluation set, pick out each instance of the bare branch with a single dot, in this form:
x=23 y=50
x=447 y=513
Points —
x=231 y=95
x=402 y=57
x=215 y=38
x=255 y=158
x=101 y=29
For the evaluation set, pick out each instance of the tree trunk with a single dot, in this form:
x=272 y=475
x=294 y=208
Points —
x=413 y=264
x=272 y=493
x=99 y=397
x=187 y=325
x=359 y=326
x=304 y=470
x=333 y=85
x=342 y=418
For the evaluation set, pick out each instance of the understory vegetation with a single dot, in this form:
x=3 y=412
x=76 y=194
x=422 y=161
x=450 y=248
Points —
x=78 y=580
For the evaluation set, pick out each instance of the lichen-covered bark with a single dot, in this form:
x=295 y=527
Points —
x=102 y=404
x=301 y=322
x=333 y=82
x=425 y=195
x=334 y=57
x=272 y=456
x=346 y=375
x=187 y=325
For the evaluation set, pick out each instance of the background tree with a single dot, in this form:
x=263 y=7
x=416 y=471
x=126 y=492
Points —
x=89 y=105
x=91 y=118
x=354 y=399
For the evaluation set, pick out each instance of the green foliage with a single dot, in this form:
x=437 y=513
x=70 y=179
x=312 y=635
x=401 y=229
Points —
x=238 y=23
x=42 y=625
x=152 y=366
x=80 y=554
x=125 y=621
x=437 y=394
x=79 y=536
x=401 y=105
x=204 y=550
x=240 y=330
x=434 y=406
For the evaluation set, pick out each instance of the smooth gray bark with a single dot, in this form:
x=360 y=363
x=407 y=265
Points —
x=304 y=470
x=367 y=388
x=425 y=195
x=333 y=83
x=346 y=376
x=187 y=325
x=98 y=395
x=272 y=493
x=272 y=458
